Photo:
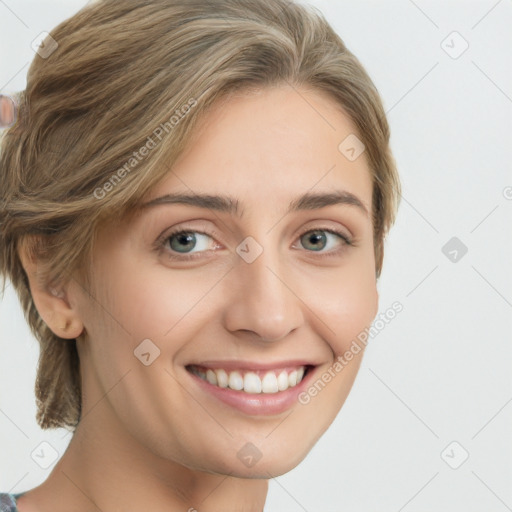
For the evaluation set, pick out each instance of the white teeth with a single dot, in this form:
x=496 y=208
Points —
x=251 y=382
x=269 y=383
x=222 y=378
x=236 y=381
x=211 y=377
x=282 y=381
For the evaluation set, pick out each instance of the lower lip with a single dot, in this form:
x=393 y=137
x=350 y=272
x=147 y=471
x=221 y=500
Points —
x=256 y=404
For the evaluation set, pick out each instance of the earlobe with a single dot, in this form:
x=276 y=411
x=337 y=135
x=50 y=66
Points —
x=70 y=329
x=51 y=303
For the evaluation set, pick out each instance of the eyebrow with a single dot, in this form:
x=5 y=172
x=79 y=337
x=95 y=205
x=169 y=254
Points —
x=227 y=204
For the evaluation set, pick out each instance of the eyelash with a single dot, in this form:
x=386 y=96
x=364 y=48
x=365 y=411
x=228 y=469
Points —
x=162 y=242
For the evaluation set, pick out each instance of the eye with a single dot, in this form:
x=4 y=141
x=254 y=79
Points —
x=318 y=239
x=185 y=242
x=185 y=245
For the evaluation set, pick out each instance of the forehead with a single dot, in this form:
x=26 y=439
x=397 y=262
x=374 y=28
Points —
x=269 y=146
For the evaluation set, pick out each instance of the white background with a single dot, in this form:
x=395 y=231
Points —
x=441 y=371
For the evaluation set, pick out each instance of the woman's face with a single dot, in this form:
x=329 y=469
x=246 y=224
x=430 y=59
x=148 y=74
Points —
x=248 y=297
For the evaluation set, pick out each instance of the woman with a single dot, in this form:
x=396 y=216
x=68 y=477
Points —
x=197 y=195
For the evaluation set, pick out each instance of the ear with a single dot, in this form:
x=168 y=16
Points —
x=52 y=305
x=378 y=266
x=379 y=259
x=377 y=299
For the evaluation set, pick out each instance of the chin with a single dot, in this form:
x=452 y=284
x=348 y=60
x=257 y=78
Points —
x=264 y=463
x=261 y=470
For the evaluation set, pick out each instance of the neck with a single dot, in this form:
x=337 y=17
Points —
x=106 y=467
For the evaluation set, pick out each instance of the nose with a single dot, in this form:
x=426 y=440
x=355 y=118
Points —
x=262 y=299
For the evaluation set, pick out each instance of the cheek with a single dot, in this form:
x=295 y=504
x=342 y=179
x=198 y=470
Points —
x=146 y=301
x=346 y=302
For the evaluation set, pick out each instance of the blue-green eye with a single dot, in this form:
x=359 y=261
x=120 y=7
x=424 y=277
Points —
x=188 y=244
x=187 y=241
x=318 y=240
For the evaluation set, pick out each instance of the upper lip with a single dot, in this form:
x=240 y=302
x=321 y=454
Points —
x=253 y=365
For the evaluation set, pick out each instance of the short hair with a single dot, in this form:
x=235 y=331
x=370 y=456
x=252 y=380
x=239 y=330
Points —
x=122 y=72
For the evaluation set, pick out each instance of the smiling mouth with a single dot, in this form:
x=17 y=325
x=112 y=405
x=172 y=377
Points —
x=252 y=381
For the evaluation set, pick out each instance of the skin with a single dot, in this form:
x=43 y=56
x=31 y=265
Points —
x=148 y=440
x=6 y=111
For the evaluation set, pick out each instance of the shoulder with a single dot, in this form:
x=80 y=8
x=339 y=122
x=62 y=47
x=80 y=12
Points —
x=8 y=502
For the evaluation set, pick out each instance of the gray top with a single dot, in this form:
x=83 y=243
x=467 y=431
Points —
x=8 y=501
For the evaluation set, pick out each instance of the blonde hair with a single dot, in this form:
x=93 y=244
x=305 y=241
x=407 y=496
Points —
x=122 y=70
